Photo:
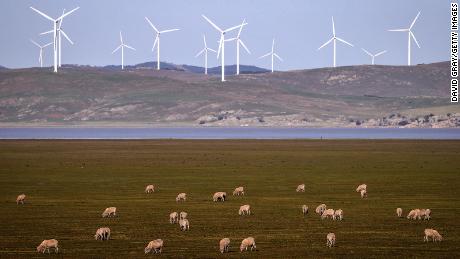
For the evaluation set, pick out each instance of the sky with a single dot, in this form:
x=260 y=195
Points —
x=299 y=27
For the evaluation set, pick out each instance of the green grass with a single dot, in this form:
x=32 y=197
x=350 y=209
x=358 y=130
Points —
x=65 y=201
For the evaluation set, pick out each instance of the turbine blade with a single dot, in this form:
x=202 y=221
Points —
x=399 y=30
x=129 y=47
x=47 y=32
x=165 y=31
x=151 y=24
x=62 y=20
x=210 y=22
x=241 y=28
x=266 y=55
x=220 y=46
x=244 y=46
x=344 y=41
x=231 y=39
x=367 y=52
x=276 y=55
x=211 y=50
x=413 y=22
x=155 y=42
x=44 y=46
x=234 y=27
x=204 y=40
x=36 y=44
x=333 y=26
x=115 y=50
x=327 y=42
x=42 y=14
x=67 y=37
x=64 y=15
x=199 y=53
x=121 y=38
x=380 y=53
x=413 y=37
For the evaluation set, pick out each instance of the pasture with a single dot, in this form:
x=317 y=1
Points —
x=69 y=184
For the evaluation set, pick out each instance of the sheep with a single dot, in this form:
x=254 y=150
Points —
x=435 y=236
x=181 y=197
x=361 y=187
x=414 y=214
x=173 y=217
x=363 y=193
x=330 y=240
x=245 y=210
x=239 y=191
x=21 y=198
x=183 y=215
x=219 y=196
x=304 y=209
x=426 y=213
x=328 y=213
x=184 y=224
x=338 y=214
x=46 y=244
x=109 y=212
x=150 y=188
x=399 y=212
x=320 y=209
x=300 y=188
x=224 y=244
x=102 y=234
x=248 y=242
x=155 y=246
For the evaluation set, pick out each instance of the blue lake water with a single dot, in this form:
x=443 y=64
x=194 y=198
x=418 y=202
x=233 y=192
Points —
x=227 y=133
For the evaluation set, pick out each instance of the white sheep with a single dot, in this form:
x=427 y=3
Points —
x=304 y=209
x=361 y=187
x=224 y=244
x=338 y=214
x=45 y=245
x=219 y=196
x=173 y=217
x=433 y=234
x=102 y=234
x=363 y=193
x=109 y=212
x=320 y=209
x=245 y=210
x=155 y=246
x=425 y=213
x=248 y=242
x=300 y=188
x=21 y=198
x=330 y=240
x=150 y=188
x=238 y=191
x=399 y=212
x=328 y=213
x=183 y=215
x=414 y=214
x=184 y=224
x=181 y=197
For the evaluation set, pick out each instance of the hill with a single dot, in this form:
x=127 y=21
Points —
x=414 y=96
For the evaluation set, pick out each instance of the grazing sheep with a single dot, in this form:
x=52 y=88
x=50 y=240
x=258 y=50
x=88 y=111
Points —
x=238 y=191
x=414 y=214
x=245 y=210
x=184 y=224
x=155 y=246
x=328 y=213
x=219 y=196
x=173 y=217
x=102 y=234
x=183 y=215
x=399 y=212
x=304 y=209
x=21 y=198
x=320 y=209
x=426 y=213
x=248 y=242
x=300 y=188
x=224 y=244
x=330 y=240
x=435 y=236
x=149 y=188
x=361 y=187
x=363 y=193
x=109 y=212
x=46 y=244
x=338 y=214
x=181 y=197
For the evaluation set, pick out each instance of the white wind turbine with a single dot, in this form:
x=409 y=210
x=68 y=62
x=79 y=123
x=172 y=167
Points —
x=238 y=43
x=272 y=54
x=411 y=35
x=157 y=40
x=122 y=46
x=205 y=51
x=40 y=57
x=334 y=39
x=222 y=43
x=55 y=31
x=374 y=55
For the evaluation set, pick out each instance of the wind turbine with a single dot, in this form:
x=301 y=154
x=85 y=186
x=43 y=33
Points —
x=122 y=46
x=40 y=57
x=238 y=43
x=272 y=54
x=222 y=42
x=205 y=51
x=374 y=55
x=334 y=39
x=55 y=31
x=157 y=40
x=411 y=35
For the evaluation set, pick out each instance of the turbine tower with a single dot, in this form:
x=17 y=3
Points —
x=222 y=43
x=411 y=35
x=374 y=55
x=334 y=39
x=272 y=54
x=205 y=51
x=157 y=40
x=55 y=31
x=122 y=46
x=238 y=43
x=40 y=57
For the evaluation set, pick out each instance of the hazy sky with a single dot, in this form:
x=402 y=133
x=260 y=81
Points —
x=299 y=26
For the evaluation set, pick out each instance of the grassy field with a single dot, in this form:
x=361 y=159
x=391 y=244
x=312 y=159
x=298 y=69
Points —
x=65 y=200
